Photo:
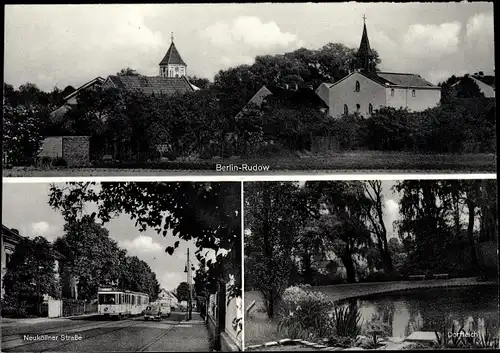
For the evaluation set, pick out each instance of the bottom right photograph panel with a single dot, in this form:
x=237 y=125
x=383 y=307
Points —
x=371 y=264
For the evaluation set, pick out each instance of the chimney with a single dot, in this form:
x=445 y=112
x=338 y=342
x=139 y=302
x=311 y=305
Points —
x=481 y=74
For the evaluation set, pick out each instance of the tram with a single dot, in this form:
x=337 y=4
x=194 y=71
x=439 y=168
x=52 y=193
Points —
x=120 y=303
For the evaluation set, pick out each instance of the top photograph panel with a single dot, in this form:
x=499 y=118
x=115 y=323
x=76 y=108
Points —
x=231 y=89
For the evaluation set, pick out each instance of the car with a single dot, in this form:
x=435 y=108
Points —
x=165 y=309
x=153 y=312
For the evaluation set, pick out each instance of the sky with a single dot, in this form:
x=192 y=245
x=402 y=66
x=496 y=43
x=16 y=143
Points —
x=64 y=45
x=39 y=219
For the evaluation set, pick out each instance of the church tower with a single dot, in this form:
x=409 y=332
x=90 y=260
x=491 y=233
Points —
x=172 y=64
x=365 y=59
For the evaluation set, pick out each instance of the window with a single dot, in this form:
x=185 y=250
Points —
x=357 y=87
x=392 y=92
x=346 y=110
x=413 y=93
x=106 y=299
x=357 y=107
x=177 y=69
x=370 y=108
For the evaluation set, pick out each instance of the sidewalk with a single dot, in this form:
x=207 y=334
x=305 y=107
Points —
x=9 y=322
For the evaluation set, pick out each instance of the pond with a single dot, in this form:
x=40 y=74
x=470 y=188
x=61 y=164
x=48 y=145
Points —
x=430 y=309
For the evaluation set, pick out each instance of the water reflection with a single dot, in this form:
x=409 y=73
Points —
x=432 y=309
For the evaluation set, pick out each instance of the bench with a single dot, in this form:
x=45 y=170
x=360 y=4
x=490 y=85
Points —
x=413 y=277
x=441 y=276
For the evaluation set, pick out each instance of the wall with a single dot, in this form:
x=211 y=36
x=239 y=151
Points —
x=55 y=308
x=52 y=147
x=234 y=311
x=76 y=150
x=424 y=98
x=343 y=92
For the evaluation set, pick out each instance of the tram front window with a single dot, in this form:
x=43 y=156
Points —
x=106 y=299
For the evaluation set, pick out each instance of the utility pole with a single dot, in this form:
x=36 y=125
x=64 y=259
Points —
x=190 y=301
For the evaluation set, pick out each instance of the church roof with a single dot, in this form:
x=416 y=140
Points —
x=152 y=85
x=400 y=80
x=172 y=57
x=364 y=46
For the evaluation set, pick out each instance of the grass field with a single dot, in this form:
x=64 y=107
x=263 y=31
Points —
x=365 y=161
x=260 y=329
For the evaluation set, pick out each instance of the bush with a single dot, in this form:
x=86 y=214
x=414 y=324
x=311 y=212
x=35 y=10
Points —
x=59 y=162
x=272 y=150
x=305 y=313
x=347 y=321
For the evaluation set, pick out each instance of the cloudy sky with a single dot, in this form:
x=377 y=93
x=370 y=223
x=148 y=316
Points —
x=38 y=218
x=71 y=44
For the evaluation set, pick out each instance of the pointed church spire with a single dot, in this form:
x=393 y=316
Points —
x=365 y=54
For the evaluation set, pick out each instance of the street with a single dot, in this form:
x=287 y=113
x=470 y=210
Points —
x=95 y=334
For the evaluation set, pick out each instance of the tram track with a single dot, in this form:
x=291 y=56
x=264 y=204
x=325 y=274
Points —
x=156 y=339
x=14 y=336
x=58 y=331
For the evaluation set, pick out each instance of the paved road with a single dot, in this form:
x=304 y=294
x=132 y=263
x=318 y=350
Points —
x=94 y=334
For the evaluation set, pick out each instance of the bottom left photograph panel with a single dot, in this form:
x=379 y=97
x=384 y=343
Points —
x=121 y=266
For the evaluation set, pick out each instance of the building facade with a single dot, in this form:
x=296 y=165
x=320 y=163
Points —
x=365 y=90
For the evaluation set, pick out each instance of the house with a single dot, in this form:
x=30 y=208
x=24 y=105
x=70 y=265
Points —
x=165 y=295
x=365 y=90
x=71 y=100
x=299 y=96
x=485 y=83
x=10 y=239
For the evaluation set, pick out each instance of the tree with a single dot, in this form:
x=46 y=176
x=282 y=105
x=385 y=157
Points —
x=375 y=214
x=22 y=134
x=183 y=291
x=200 y=82
x=128 y=72
x=275 y=212
x=343 y=222
x=31 y=273
x=208 y=213
x=93 y=257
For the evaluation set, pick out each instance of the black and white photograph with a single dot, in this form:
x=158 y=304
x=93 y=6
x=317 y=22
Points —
x=121 y=267
x=248 y=88
x=371 y=265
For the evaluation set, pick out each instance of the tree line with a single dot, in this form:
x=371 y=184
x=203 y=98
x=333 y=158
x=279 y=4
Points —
x=203 y=124
x=332 y=232
x=90 y=259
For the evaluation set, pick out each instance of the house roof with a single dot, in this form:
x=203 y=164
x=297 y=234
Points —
x=301 y=96
x=152 y=85
x=401 y=80
x=99 y=80
x=395 y=80
x=11 y=234
x=488 y=80
x=172 y=57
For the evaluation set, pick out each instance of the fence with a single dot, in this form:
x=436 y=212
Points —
x=78 y=307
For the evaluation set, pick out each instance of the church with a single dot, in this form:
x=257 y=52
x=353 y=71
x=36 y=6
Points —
x=172 y=78
x=365 y=89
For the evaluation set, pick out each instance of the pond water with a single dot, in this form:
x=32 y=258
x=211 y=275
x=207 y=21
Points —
x=430 y=309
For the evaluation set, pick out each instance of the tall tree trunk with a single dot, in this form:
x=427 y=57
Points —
x=470 y=233
x=349 y=267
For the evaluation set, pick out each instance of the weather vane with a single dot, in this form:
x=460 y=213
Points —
x=364 y=18
x=172 y=36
